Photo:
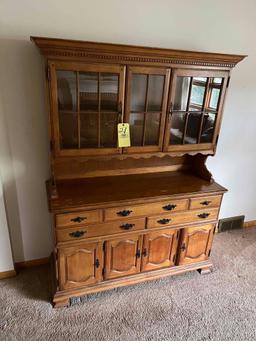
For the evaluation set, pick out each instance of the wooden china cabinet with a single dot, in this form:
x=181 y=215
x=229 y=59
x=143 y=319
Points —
x=124 y=215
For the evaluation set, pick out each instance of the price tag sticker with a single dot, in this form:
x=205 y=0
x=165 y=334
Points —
x=123 y=132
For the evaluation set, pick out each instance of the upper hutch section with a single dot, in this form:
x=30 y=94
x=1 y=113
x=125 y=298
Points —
x=173 y=100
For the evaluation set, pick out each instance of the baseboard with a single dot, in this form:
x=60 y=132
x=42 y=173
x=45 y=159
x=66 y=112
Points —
x=250 y=223
x=31 y=263
x=7 y=274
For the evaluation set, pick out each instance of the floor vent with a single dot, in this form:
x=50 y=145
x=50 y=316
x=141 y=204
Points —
x=232 y=223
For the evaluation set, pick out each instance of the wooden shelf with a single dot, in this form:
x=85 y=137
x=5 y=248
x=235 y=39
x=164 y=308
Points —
x=84 y=193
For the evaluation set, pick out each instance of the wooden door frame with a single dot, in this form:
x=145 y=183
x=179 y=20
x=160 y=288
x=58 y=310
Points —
x=76 y=67
x=211 y=147
x=148 y=71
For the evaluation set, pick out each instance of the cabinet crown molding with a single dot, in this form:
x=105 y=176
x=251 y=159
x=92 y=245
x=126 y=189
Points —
x=53 y=48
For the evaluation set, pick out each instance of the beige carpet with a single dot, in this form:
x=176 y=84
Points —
x=219 y=306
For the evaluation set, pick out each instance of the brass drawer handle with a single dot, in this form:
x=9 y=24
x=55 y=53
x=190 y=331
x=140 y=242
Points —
x=78 y=219
x=203 y=215
x=77 y=234
x=183 y=247
x=169 y=207
x=164 y=221
x=205 y=203
x=127 y=226
x=124 y=213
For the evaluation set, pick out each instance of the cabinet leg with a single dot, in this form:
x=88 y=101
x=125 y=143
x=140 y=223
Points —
x=61 y=303
x=205 y=271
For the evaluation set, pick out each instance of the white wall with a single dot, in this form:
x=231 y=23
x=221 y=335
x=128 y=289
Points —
x=218 y=26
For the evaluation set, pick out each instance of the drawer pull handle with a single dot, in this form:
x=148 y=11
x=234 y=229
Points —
x=137 y=254
x=169 y=207
x=144 y=253
x=124 y=213
x=77 y=234
x=205 y=203
x=97 y=263
x=183 y=247
x=78 y=219
x=203 y=215
x=163 y=221
x=127 y=226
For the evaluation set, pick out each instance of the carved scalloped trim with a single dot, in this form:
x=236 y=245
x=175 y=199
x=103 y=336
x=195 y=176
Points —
x=136 y=59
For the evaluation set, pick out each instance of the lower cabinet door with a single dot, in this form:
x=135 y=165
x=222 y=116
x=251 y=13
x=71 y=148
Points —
x=159 y=249
x=123 y=256
x=80 y=265
x=195 y=244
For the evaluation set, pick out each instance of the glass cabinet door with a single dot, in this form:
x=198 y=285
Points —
x=194 y=110
x=88 y=107
x=145 y=110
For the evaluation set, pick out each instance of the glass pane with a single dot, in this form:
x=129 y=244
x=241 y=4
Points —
x=109 y=91
x=68 y=130
x=88 y=83
x=89 y=130
x=181 y=93
x=177 y=128
x=200 y=79
x=155 y=92
x=217 y=80
x=136 y=129
x=138 y=93
x=108 y=129
x=197 y=97
x=193 y=126
x=208 y=128
x=66 y=83
x=152 y=128
x=214 y=98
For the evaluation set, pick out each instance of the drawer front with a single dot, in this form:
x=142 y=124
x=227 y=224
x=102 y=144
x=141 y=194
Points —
x=144 y=210
x=78 y=218
x=77 y=232
x=181 y=218
x=205 y=202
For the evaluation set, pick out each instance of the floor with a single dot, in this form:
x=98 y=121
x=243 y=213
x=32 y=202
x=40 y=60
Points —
x=218 y=306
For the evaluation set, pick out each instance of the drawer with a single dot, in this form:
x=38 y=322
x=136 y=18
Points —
x=146 y=209
x=77 y=232
x=78 y=218
x=204 y=202
x=181 y=218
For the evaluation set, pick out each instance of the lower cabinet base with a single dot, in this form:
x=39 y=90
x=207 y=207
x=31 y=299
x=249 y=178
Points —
x=62 y=298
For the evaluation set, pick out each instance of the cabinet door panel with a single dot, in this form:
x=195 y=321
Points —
x=147 y=90
x=159 y=249
x=195 y=244
x=123 y=256
x=80 y=265
x=194 y=110
x=87 y=102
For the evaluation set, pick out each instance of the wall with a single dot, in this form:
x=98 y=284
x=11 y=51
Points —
x=204 y=25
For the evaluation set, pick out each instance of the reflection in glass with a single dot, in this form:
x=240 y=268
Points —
x=66 y=83
x=155 y=92
x=152 y=128
x=208 y=128
x=68 y=130
x=177 y=128
x=89 y=130
x=88 y=83
x=215 y=94
x=138 y=93
x=136 y=129
x=197 y=96
x=217 y=80
x=108 y=128
x=200 y=79
x=193 y=126
x=109 y=91
x=181 y=93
